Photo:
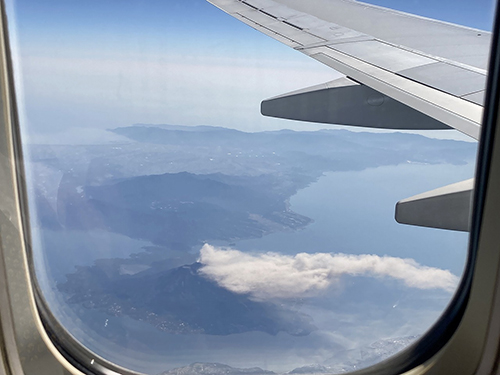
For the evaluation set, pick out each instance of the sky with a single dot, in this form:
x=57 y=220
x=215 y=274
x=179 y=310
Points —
x=83 y=67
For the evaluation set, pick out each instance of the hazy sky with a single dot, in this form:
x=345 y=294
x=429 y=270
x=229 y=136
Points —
x=109 y=63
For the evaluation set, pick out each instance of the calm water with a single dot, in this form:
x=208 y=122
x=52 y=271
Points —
x=353 y=213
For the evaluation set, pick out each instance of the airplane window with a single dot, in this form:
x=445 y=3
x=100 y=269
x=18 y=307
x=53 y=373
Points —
x=177 y=230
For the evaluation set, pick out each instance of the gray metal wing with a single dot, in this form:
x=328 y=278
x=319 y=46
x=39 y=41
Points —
x=433 y=67
x=402 y=71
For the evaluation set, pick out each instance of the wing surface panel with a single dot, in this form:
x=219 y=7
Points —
x=448 y=78
x=477 y=97
x=384 y=55
x=436 y=38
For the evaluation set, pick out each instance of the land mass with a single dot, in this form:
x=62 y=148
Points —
x=178 y=187
x=178 y=301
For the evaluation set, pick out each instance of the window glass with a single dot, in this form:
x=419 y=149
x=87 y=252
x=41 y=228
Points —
x=177 y=230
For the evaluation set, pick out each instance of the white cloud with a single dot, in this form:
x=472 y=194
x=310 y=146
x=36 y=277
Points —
x=274 y=276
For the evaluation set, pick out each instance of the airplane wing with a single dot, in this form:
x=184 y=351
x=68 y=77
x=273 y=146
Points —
x=402 y=72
